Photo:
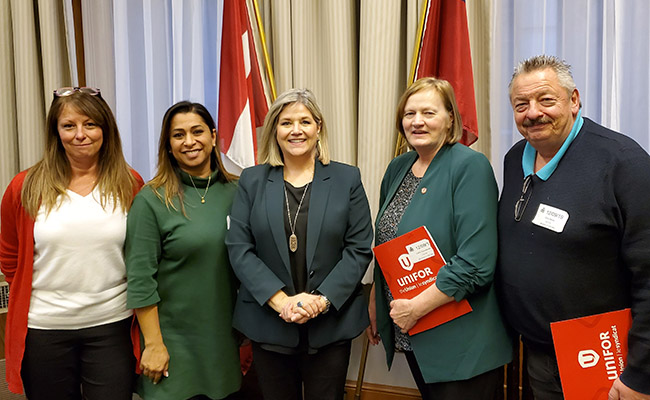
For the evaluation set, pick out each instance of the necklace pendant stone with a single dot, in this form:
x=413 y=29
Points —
x=293 y=243
x=202 y=200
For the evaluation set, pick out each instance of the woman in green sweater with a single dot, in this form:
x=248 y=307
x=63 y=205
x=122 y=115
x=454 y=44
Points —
x=179 y=278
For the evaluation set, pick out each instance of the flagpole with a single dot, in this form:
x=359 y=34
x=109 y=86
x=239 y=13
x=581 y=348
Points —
x=267 y=59
x=418 y=41
x=399 y=146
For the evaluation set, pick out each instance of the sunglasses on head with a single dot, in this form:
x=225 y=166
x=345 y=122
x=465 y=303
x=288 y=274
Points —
x=67 y=91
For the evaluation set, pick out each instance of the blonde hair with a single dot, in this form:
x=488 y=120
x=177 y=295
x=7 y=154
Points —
x=167 y=176
x=269 y=151
x=50 y=177
x=446 y=92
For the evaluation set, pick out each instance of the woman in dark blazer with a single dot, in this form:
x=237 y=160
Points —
x=449 y=189
x=299 y=241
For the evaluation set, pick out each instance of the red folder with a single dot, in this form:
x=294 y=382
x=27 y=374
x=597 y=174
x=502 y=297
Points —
x=410 y=264
x=591 y=353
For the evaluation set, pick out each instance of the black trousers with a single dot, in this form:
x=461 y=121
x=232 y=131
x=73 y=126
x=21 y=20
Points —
x=543 y=374
x=285 y=376
x=61 y=364
x=480 y=387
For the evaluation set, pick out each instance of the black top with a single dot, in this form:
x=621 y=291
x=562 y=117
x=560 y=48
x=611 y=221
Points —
x=298 y=259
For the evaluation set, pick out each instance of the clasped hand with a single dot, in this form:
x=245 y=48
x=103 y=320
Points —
x=302 y=307
x=155 y=362
x=403 y=312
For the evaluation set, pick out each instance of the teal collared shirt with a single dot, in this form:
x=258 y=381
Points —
x=528 y=157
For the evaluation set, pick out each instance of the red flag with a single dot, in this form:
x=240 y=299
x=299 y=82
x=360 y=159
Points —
x=242 y=102
x=444 y=53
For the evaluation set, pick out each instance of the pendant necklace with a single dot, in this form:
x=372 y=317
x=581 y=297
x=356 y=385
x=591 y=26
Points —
x=197 y=190
x=293 y=239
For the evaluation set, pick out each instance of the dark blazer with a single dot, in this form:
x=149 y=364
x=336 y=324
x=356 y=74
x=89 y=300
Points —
x=339 y=237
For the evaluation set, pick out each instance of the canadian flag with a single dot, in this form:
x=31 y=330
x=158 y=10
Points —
x=242 y=101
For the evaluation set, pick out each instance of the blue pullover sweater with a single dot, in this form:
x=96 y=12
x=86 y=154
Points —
x=599 y=262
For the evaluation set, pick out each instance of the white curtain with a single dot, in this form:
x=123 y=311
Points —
x=607 y=42
x=147 y=55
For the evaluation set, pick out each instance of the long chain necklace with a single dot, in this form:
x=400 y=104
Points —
x=197 y=190
x=293 y=239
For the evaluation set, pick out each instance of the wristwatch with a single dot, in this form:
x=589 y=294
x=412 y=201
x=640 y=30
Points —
x=327 y=304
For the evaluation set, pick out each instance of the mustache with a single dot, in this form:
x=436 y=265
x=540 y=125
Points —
x=537 y=121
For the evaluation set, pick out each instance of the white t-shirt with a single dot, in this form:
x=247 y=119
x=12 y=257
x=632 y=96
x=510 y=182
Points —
x=79 y=273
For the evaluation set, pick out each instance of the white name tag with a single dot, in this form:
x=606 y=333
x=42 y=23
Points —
x=550 y=217
x=420 y=250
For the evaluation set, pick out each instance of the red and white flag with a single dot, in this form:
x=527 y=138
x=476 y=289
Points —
x=445 y=54
x=242 y=101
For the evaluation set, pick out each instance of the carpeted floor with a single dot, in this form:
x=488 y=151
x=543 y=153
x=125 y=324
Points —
x=5 y=394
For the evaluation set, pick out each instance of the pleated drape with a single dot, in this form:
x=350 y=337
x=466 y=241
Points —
x=34 y=62
x=479 y=16
x=355 y=57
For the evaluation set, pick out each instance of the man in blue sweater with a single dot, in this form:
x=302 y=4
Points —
x=574 y=226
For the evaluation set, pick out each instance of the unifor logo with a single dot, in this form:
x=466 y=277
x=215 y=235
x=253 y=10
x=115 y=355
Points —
x=405 y=262
x=588 y=358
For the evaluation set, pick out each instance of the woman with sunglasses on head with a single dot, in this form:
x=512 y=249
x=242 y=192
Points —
x=299 y=241
x=180 y=281
x=61 y=250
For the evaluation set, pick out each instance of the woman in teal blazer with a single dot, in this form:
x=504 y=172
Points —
x=299 y=241
x=451 y=190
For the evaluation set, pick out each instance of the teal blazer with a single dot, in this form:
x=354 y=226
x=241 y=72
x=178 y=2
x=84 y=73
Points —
x=339 y=238
x=459 y=209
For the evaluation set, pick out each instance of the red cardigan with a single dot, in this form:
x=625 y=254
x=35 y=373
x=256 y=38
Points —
x=16 y=262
